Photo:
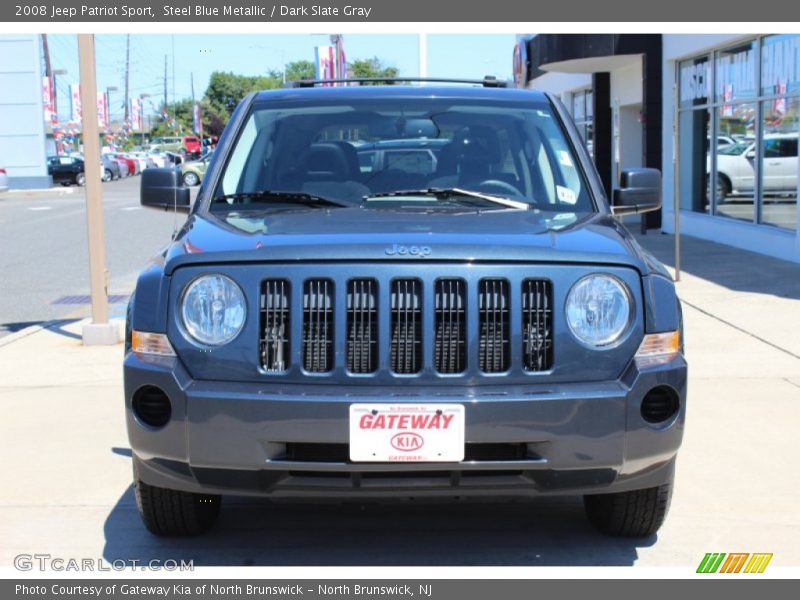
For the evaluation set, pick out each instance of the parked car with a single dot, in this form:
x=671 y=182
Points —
x=491 y=331
x=132 y=164
x=3 y=180
x=157 y=158
x=111 y=168
x=167 y=143
x=192 y=147
x=736 y=167
x=140 y=157
x=193 y=170
x=66 y=170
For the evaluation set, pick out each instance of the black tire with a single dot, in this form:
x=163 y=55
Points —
x=107 y=175
x=190 y=179
x=723 y=189
x=174 y=513
x=80 y=179
x=637 y=513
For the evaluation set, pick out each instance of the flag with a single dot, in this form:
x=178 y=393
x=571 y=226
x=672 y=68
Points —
x=50 y=115
x=136 y=114
x=197 y=124
x=75 y=99
x=102 y=110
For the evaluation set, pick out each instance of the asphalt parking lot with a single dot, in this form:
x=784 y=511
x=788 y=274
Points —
x=68 y=477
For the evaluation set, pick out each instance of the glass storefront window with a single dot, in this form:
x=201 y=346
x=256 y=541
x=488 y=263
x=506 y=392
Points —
x=736 y=73
x=583 y=115
x=779 y=166
x=694 y=141
x=695 y=82
x=780 y=65
x=734 y=192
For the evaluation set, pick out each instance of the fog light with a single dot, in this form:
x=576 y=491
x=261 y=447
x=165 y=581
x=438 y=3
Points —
x=152 y=406
x=660 y=404
x=658 y=349
x=151 y=343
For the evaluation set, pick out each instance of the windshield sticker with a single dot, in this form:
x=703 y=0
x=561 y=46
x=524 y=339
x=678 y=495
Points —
x=566 y=195
x=564 y=159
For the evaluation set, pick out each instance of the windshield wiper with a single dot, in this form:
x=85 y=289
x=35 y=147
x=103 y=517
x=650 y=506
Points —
x=278 y=197
x=440 y=193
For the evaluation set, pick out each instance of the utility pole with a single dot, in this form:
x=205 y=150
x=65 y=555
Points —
x=127 y=75
x=191 y=80
x=165 y=85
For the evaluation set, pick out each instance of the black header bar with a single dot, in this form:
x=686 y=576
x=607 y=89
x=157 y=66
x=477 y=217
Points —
x=451 y=11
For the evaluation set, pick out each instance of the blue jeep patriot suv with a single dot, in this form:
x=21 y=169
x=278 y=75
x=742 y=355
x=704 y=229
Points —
x=463 y=317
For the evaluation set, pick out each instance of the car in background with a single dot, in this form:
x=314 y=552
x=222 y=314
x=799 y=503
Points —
x=133 y=165
x=168 y=143
x=66 y=170
x=736 y=167
x=111 y=168
x=192 y=146
x=192 y=172
x=3 y=180
x=140 y=158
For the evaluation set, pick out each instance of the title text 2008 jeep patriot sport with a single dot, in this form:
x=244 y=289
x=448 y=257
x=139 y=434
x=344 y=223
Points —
x=404 y=291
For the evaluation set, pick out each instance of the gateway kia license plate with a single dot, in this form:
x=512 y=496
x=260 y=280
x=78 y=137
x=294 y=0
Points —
x=406 y=432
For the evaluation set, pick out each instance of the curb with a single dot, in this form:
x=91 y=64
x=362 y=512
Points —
x=59 y=191
x=23 y=333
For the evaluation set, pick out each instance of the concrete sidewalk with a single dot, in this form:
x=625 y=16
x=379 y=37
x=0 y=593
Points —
x=67 y=468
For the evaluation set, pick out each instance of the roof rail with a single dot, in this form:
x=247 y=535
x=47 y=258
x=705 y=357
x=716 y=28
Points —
x=488 y=81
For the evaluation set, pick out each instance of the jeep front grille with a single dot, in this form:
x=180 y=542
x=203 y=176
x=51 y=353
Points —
x=318 y=325
x=406 y=307
x=495 y=330
x=447 y=326
x=537 y=323
x=274 y=343
x=362 y=326
x=450 y=326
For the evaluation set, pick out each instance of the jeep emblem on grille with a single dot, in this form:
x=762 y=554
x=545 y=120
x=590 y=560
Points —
x=398 y=250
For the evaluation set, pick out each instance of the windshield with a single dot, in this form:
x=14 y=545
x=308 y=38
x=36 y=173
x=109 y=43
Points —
x=361 y=151
x=734 y=149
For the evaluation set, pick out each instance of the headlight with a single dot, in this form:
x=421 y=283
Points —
x=598 y=310
x=213 y=310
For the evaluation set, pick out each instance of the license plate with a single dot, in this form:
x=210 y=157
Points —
x=406 y=432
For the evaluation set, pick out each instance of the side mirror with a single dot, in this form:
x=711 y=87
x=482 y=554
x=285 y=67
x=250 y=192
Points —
x=640 y=191
x=162 y=188
x=751 y=154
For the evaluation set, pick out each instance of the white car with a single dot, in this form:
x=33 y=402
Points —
x=3 y=180
x=736 y=166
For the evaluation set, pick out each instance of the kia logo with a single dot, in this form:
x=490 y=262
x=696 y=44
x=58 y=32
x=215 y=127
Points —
x=399 y=250
x=407 y=441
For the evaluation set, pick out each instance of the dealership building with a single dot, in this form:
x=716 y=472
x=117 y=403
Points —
x=22 y=130
x=718 y=114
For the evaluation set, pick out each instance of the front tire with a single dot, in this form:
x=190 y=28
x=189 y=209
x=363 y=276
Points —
x=80 y=179
x=637 y=513
x=174 y=513
x=191 y=179
x=107 y=175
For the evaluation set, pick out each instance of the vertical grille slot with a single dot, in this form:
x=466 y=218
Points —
x=274 y=310
x=362 y=326
x=318 y=325
x=494 y=348
x=537 y=325
x=450 y=322
x=406 y=320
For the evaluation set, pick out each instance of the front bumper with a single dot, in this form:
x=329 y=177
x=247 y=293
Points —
x=233 y=438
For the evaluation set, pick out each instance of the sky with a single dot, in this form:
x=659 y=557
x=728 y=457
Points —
x=197 y=56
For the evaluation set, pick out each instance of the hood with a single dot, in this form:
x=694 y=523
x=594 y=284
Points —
x=359 y=234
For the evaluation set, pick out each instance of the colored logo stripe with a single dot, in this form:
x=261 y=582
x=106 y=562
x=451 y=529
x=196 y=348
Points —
x=758 y=563
x=713 y=562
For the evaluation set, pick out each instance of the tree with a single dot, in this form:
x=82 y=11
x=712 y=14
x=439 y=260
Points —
x=370 y=68
x=226 y=90
x=300 y=69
